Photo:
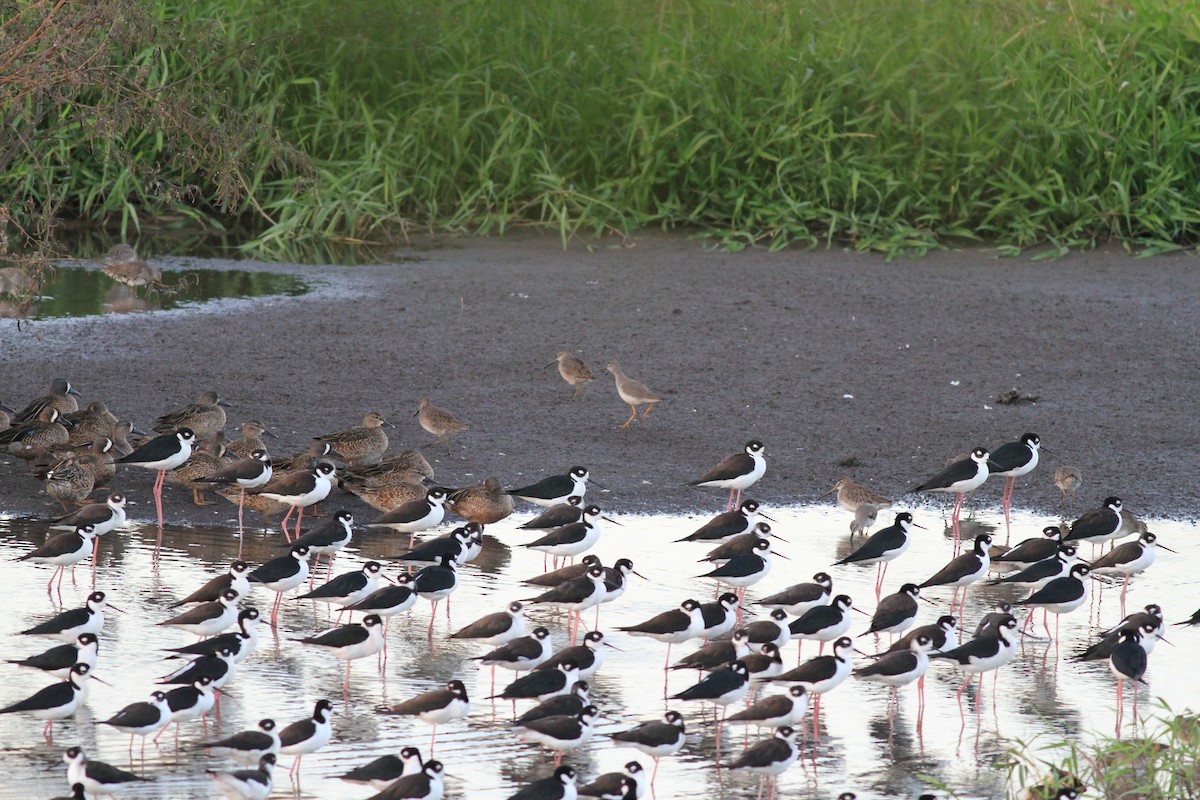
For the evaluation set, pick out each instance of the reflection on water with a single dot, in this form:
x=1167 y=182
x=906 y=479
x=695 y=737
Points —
x=1040 y=697
x=79 y=292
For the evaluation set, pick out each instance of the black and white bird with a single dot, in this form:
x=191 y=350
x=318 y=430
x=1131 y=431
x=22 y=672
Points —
x=1128 y=662
x=560 y=733
x=248 y=747
x=520 y=654
x=800 y=597
x=142 y=719
x=252 y=472
x=571 y=703
x=895 y=612
x=54 y=702
x=299 y=490
x=770 y=758
x=96 y=777
x=777 y=710
x=1030 y=551
x=218 y=667
x=415 y=516
x=899 y=668
x=883 y=546
x=69 y=624
x=437 y=707
x=961 y=477
x=57 y=661
x=656 y=738
x=162 y=454
x=823 y=623
x=823 y=673
x=721 y=686
x=615 y=786
x=764 y=664
x=382 y=772
x=963 y=570
x=234 y=579
x=426 y=784
x=282 y=575
x=246 y=784
x=1061 y=595
x=307 y=735
x=774 y=629
x=1148 y=635
x=616 y=578
x=720 y=616
x=746 y=569
x=739 y=545
x=1014 y=460
x=943 y=634
x=63 y=550
x=435 y=583
x=328 y=538
x=736 y=472
x=673 y=627
x=541 y=684
x=556 y=489
x=564 y=513
x=456 y=543
x=241 y=643
x=983 y=654
x=564 y=574
x=1039 y=573
x=348 y=588
x=389 y=600
x=1099 y=525
x=717 y=653
x=103 y=517
x=1129 y=559
x=208 y=619
x=559 y=786
x=572 y=540
x=350 y=642
x=727 y=524
x=187 y=703
x=576 y=595
x=587 y=657
x=989 y=623
x=496 y=628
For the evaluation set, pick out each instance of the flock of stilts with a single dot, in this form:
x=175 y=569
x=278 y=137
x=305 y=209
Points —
x=739 y=658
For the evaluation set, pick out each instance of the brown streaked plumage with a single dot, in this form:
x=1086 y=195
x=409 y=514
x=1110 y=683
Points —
x=121 y=263
x=120 y=438
x=483 y=503
x=252 y=433
x=316 y=451
x=36 y=438
x=206 y=417
x=364 y=444
x=386 y=496
x=69 y=483
x=90 y=424
x=573 y=371
x=1068 y=480
x=99 y=460
x=634 y=393
x=61 y=397
x=438 y=421
x=206 y=459
x=406 y=466
x=851 y=495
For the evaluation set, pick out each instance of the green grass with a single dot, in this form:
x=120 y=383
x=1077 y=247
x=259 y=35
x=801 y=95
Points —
x=889 y=125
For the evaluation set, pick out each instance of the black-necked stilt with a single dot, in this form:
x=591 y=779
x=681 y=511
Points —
x=1039 y=573
x=823 y=673
x=564 y=574
x=765 y=664
x=673 y=627
x=983 y=654
x=252 y=472
x=739 y=545
x=565 y=513
x=520 y=654
x=437 y=707
x=415 y=516
x=64 y=550
x=722 y=686
x=716 y=654
x=656 y=738
x=436 y=583
x=1148 y=631
x=555 y=489
x=69 y=624
x=248 y=747
x=744 y=570
x=800 y=597
x=96 y=777
x=142 y=719
x=727 y=524
x=388 y=601
x=299 y=490
x=587 y=657
x=496 y=628
x=1032 y=550
x=571 y=703
x=616 y=578
x=54 y=702
x=823 y=623
x=103 y=517
x=241 y=643
x=283 y=574
x=162 y=454
x=1061 y=595
x=615 y=786
x=234 y=579
x=187 y=703
x=895 y=612
x=540 y=684
x=774 y=629
x=736 y=472
x=1014 y=460
x=307 y=735
x=901 y=668
x=348 y=588
x=455 y=543
x=1152 y=612
x=777 y=710
x=57 y=661
x=720 y=616
x=208 y=619
x=769 y=758
x=1099 y=525
x=561 y=733
x=1128 y=660
x=247 y=784
x=1129 y=559
x=386 y=770
x=576 y=595
x=989 y=623
x=559 y=786
x=572 y=540
x=350 y=642
x=219 y=668
x=883 y=546
x=425 y=784
x=961 y=477
x=943 y=634
x=963 y=570
x=328 y=538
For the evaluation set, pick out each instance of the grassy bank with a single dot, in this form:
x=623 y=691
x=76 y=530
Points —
x=892 y=125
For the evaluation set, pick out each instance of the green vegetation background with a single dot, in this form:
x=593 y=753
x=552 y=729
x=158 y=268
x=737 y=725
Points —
x=891 y=125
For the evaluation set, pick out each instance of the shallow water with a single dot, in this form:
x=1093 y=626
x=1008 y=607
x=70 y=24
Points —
x=79 y=292
x=1041 y=696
